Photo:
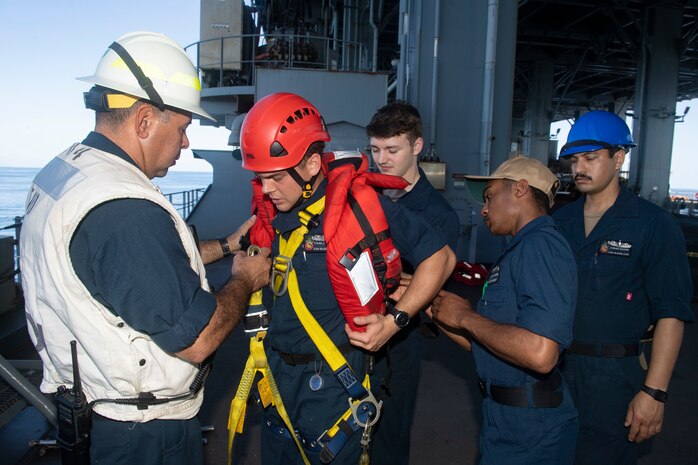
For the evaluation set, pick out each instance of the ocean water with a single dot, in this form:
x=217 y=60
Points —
x=15 y=184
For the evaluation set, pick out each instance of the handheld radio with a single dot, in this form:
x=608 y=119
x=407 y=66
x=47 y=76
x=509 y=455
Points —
x=74 y=420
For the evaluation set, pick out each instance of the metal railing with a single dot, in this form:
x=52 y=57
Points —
x=185 y=201
x=684 y=207
x=232 y=60
x=16 y=228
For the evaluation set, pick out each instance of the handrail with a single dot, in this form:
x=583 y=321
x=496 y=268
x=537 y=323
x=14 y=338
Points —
x=185 y=201
x=220 y=66
x=684 y=207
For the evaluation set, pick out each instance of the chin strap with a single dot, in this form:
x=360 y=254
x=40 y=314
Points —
x=307 y=186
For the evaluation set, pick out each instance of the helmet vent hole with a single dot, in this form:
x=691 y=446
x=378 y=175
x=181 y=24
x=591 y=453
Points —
x=283 y=130
x=277 y=150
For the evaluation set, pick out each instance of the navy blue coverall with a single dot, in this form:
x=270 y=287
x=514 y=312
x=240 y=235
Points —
x=313 y=412
x=533 y=285
x=392 y=436
x=632 y=271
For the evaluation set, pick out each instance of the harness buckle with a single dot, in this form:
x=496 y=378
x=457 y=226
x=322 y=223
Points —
x=282 y=266
x=367 y=409
x=321 y=441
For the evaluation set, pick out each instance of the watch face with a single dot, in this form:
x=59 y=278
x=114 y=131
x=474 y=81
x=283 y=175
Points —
x=401 y=319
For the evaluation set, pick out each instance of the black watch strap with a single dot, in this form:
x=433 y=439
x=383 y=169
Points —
x=656 y=394
x=402 y=319
x=226 y=248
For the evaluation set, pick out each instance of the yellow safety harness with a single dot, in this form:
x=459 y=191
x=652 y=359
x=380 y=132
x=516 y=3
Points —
x=363 y=411
x=256 y=363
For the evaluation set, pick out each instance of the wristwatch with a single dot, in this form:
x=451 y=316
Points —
x=225 y=247
x=656 y=394
x=401 y=318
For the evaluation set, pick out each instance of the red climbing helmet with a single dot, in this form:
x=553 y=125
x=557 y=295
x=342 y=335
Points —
x=277 y=132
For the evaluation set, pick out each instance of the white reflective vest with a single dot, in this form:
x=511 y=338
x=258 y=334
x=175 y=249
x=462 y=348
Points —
x=115 y=360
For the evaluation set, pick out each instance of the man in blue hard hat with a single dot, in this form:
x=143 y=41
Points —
x=633 y=275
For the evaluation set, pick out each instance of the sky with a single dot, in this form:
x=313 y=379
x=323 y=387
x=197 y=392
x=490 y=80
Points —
x=48 y=43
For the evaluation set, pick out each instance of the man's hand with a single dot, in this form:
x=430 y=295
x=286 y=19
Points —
x=234 y=238
x=449 y=309
x=399 y=290
x=254 y=269
x=379 y=329
x=644 y=417
x=211 y=250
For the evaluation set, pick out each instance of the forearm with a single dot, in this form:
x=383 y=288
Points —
x=427 y=280
x=211 y=250
x=459 y=336
x=512 y=343
x=232 y=302
x=668 y=335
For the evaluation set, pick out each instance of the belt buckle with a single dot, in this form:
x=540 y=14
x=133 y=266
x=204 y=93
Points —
x=613 y=350
x=281 y=267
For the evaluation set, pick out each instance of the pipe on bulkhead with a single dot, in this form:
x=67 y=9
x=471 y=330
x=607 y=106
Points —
x=488 y=88
x=435 y=74
x=372 y=22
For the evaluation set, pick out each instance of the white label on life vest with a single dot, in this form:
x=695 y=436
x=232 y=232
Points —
x=363 y=278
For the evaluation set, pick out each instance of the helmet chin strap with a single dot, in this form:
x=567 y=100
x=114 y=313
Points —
x=306 y=186
x=143 y=80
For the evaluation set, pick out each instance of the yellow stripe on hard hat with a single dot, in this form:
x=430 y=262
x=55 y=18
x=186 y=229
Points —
x=186 y=80
x=120 y=100
x=154 y=72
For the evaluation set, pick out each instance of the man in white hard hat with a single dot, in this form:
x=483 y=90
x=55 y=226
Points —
x=108 y=262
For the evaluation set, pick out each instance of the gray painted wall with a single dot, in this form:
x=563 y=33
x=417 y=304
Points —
x=458 y=106
x=340 y=96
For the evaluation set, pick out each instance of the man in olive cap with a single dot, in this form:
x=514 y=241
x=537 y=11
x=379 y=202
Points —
x=522 y=322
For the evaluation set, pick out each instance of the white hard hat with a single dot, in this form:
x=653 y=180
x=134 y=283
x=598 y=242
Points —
x=155 y=57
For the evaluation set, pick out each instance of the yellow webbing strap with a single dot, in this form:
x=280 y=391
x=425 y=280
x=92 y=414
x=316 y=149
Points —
x=257 y=362
x=322 y=341
x=283 y=262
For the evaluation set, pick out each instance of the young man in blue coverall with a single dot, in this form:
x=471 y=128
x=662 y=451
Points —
x=633 y=273
x=522 y=323
x=282 y=139
x=108 y=262
x=395 y=141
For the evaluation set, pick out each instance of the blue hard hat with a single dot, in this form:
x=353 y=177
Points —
x=597 y=130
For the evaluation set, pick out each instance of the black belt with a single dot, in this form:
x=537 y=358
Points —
x=544 y=393
x=304 y=359
x=599 y=349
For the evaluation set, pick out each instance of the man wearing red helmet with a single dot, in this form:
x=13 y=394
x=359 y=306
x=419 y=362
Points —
x=282 y=139
x=633 y=273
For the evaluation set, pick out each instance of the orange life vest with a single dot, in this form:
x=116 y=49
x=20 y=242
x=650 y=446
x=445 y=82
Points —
x=355 y=230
